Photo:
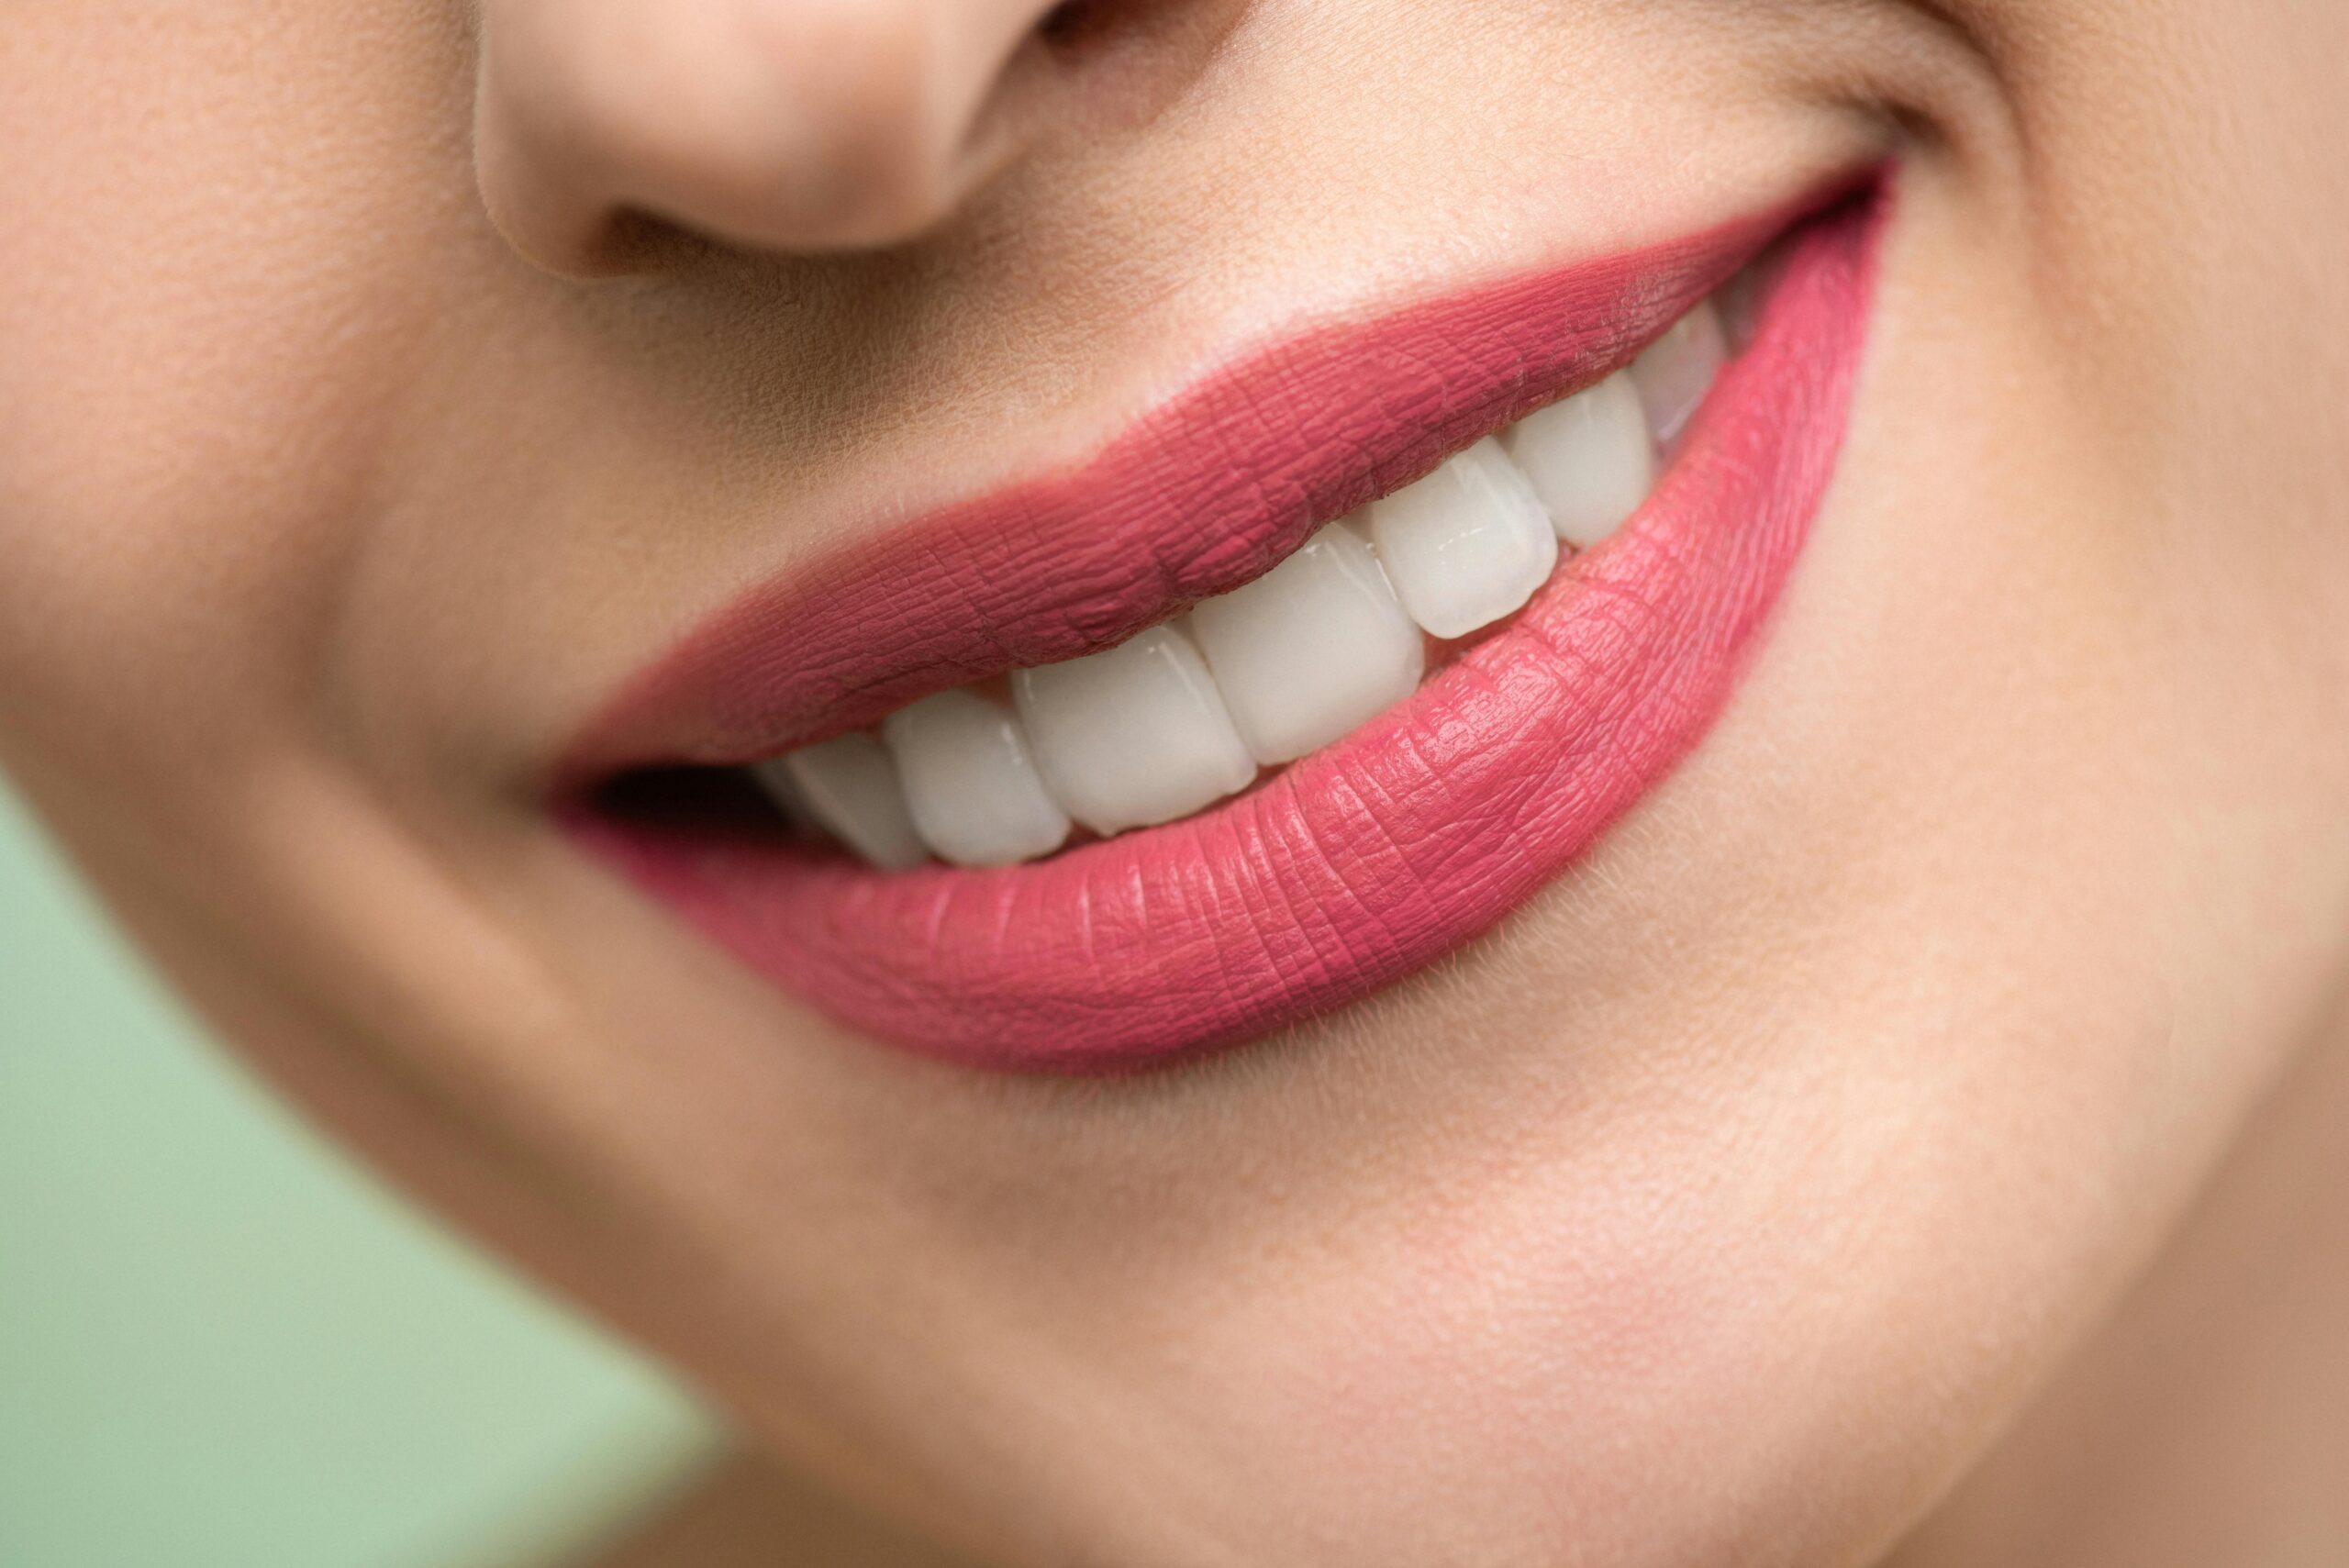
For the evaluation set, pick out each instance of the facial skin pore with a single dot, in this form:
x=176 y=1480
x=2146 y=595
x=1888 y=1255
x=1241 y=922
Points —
x=382 y=382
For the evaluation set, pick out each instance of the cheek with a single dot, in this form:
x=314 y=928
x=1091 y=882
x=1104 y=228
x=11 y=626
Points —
x=211 y=318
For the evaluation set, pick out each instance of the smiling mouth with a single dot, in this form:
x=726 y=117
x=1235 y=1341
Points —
x=1305 y=681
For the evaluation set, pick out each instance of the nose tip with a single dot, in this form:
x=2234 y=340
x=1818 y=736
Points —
x=781 y=125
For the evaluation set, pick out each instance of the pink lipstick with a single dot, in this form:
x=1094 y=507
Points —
x=1357 y=864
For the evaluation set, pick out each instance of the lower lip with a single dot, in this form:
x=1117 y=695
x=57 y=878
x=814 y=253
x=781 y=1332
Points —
x=1367 y=861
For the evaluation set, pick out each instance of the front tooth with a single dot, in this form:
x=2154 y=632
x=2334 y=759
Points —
x=850 y=787
x=970 y=782
x=1674 y=372
x=1311 y=649
x=1589 y=457
x=1466 y=545
x=1134 y=736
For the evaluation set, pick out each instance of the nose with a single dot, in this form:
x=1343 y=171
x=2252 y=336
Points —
x=782 y=125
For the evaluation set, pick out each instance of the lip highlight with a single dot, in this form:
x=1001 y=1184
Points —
x=1357 y=864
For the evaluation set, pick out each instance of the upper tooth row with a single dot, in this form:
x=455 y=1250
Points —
x=1183 y=715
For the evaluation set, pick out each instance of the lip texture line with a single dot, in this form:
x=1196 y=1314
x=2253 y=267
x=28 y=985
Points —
x=1355 y=865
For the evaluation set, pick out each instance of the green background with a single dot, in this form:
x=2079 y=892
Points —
x=223 y=1347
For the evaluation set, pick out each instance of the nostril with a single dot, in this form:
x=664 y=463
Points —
x=633 y=242
x=1069 y=24
x=1076 y=28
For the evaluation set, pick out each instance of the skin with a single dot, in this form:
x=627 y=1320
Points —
x=1906 y=1135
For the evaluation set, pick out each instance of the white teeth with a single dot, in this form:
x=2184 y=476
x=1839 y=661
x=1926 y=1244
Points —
x=1311 y=649
x=970 y=782
x=1134 y=736
x=1466 y=545
x=1181 y=716
x=1674 y=372
x=849 y=784
x=1589 y=457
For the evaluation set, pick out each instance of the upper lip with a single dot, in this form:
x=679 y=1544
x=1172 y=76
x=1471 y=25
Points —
x=1203 y=494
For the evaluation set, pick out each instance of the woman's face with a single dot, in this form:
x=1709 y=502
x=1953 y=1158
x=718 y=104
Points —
x=1675 y=1081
